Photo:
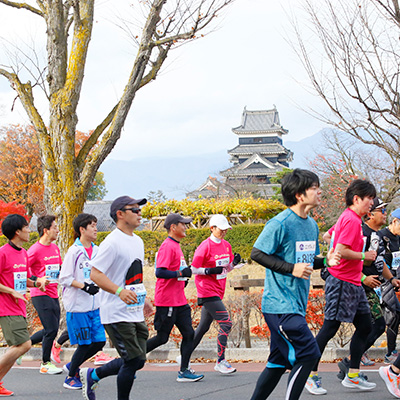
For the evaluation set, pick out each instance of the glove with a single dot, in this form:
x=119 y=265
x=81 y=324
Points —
x=90 y=288
x=214 y=271
x=185 y=273
x=236 y=259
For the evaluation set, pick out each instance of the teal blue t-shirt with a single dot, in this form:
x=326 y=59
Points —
x=293 y=239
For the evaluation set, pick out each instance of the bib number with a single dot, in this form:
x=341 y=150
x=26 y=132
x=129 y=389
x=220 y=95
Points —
x=52 y=272
x=222 y=262
x=20 y=282
x=305 y=252
x=141 y=293
x=86 y=271
x=395 y=260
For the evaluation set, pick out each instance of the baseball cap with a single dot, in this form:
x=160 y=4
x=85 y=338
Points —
x=378 y=203
x=396 y=213
x=174 y=219
x=220 y=222
x=120 y=202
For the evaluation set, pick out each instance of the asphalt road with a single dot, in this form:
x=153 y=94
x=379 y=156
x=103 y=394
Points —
x=158 y=382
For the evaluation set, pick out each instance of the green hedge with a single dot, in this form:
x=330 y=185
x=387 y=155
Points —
x=241 y=237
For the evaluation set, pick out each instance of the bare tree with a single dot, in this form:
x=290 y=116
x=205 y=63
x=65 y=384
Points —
x=353 y=63
x=68 y=177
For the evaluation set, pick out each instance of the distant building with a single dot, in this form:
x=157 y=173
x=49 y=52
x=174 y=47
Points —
x=260 y=153
x=211 y=188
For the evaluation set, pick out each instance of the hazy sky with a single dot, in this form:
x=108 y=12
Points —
x=200 y=95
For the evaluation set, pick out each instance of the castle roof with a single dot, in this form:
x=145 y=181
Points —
x=261 y=121
x=267 y=149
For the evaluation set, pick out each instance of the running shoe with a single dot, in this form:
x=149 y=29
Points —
x=4 y=392
x=224 y=367
x=390 y=359
x=66 y=367
x=102 y=358
x=50 y=369
x=313 y=385
x=344 y=367
x=358 y=382
x=179 y=361
x=187 y=376
x=391 y=379
x=72 y=383
x=366 y=361
x=55 y=353
x=88 y=383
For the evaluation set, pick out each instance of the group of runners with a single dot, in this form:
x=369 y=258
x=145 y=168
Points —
x=103 y=291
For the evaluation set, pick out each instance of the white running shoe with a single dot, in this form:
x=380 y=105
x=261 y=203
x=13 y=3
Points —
x=391 y=379
x=224 y=367
x=313 y=385
x=365 y=360
x=358 y=382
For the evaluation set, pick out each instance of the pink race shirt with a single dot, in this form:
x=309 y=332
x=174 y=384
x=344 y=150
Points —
x=170 y=292
x=348 y=232
x=45 y=261
x=209 y=255
x=13 y=274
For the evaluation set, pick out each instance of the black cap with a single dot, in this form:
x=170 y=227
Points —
x=120 y=202
x=174 y=219
x=378 y=203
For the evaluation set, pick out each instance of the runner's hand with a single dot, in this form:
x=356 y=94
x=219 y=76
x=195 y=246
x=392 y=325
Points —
x=372 y=281
x=128 y=296
x=18 y=296
x=370 y=255
x=333 y=257
x=302 y=270
x=148 y=308
x=41 y=283
x=90 y=288
x=396 y=282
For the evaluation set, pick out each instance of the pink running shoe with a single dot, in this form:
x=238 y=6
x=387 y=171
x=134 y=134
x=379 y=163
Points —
x=55 y=353
x=102 y=358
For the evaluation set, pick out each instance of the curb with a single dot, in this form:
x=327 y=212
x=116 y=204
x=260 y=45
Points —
x=256 y=354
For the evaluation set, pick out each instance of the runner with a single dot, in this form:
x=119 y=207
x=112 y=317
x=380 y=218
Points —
x=345 y=298
x=118 y=270
x=45 y=260
x=80 y=298
x=13 y=282
x=287 y=247
x=212 y=260
x=172 y=307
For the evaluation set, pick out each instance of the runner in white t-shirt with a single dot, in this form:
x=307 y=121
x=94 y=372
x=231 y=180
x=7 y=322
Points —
x=118 y=271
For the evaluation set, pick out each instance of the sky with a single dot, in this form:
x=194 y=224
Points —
x=202 y=90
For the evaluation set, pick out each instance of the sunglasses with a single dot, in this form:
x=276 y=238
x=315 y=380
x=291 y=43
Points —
x=134 y=210
x=382 y=210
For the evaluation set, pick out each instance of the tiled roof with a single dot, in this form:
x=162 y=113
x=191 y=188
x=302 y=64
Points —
x=260 y=121
x=261 y=149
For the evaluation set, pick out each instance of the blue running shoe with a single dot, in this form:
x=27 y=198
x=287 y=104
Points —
x=88 y=383
x=72 y=383
x=188 y=376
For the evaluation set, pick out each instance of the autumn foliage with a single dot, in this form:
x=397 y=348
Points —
x=11 y=208
x=21 y=176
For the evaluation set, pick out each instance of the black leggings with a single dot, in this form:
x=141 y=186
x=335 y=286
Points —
x=164 y=320
x=363 y=325
x=391 y=333
x=63 y=337
x=378 y=328
x=83 y=353
x=48 y=310
x=270 y=377
x=125 y=371
x=214 y=310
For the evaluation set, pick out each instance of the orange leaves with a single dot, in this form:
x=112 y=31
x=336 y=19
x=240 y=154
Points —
x=11 y=208
x=21 y=176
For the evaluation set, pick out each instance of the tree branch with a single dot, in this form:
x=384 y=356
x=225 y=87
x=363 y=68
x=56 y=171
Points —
x=24 y=6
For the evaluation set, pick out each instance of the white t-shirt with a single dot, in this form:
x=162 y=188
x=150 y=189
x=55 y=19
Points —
x=116 y=254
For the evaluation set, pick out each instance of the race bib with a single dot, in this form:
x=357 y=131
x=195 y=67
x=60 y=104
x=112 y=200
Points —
x=182 y=266
x=305 y=252
x=222 y=262
x=141 y=293
x=52 y=272
x=86 y=270
x=395 y=260
x=20 y=282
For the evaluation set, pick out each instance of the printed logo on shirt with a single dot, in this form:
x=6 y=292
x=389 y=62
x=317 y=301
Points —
x=305 y=251
x=51 y=257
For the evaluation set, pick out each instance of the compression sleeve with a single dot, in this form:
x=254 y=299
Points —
x=165 y=273
x=271 y=262
x=319 y=263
